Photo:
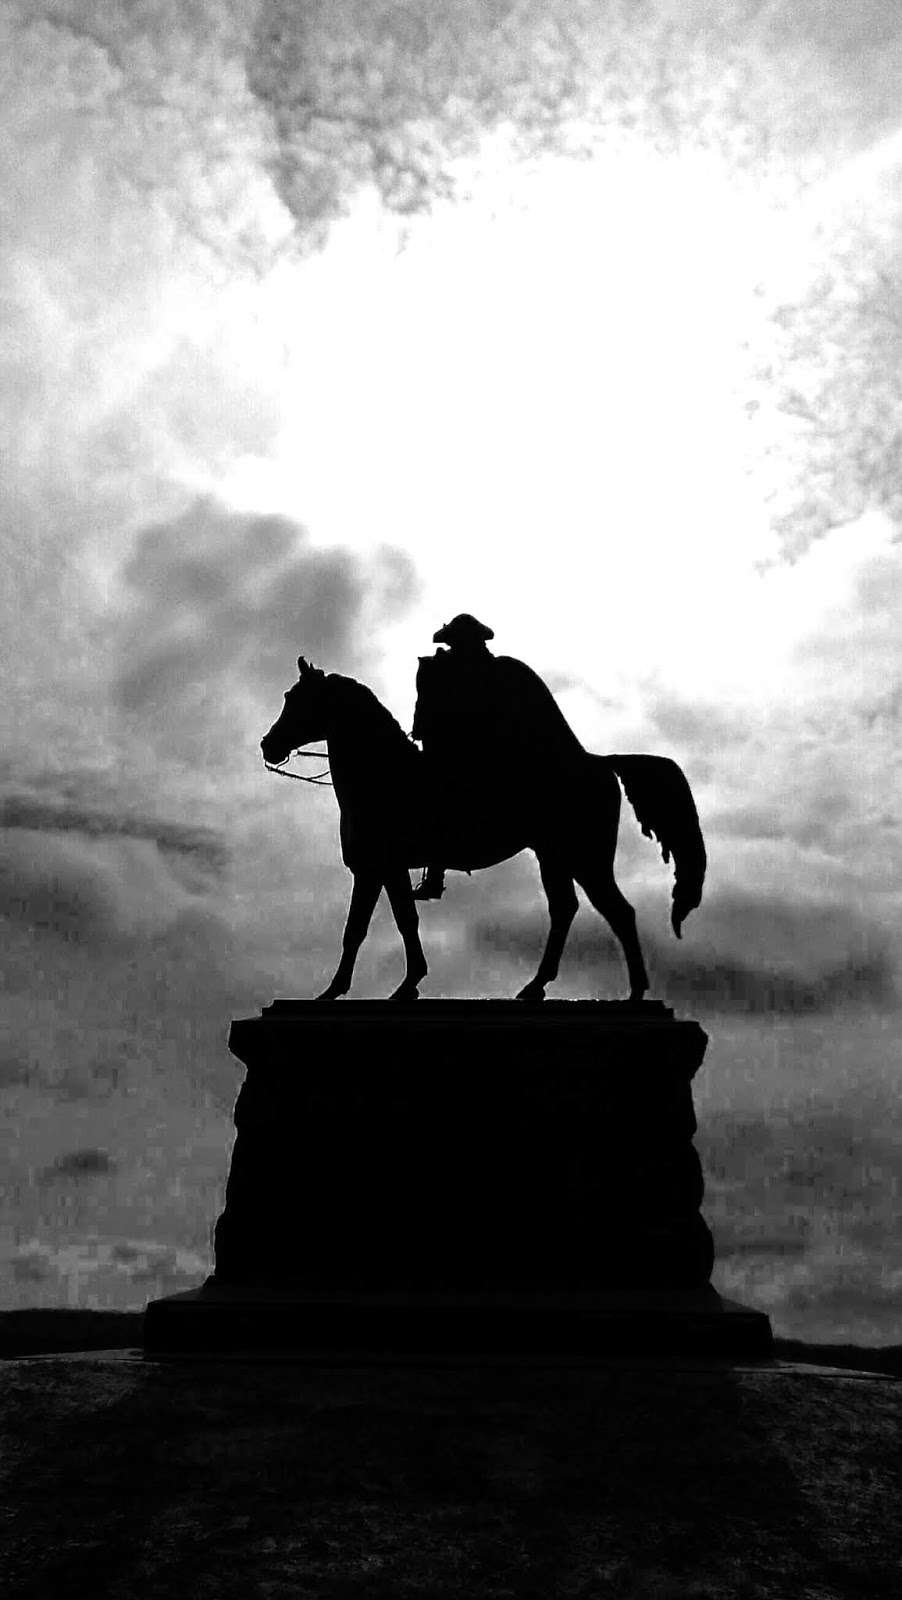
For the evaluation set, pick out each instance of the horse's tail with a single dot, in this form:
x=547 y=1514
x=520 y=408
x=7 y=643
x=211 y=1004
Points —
x=660 y=795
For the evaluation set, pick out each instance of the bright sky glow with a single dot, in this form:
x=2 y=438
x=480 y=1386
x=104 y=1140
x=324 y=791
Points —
x=552 y=371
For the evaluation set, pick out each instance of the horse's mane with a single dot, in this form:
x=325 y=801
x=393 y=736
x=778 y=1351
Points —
x=375 y=721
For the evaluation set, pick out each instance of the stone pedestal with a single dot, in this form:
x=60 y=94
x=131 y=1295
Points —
x=456 y=1171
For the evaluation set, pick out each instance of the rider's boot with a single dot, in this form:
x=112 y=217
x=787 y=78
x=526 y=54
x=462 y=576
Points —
x=432 y=884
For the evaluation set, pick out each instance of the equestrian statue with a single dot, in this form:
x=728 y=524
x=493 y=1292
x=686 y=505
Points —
x=500 y=770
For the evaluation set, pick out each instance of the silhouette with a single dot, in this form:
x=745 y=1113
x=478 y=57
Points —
x=501 y=772
x=498 y=711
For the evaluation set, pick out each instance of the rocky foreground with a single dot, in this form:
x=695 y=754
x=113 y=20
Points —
x=129 y=1478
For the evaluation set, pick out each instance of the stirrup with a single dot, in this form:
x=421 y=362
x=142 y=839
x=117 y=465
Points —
x=424 y=889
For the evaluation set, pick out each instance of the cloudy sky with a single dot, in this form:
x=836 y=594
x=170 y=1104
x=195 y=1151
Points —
x=326 y=319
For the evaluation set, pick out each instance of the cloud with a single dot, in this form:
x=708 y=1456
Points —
x=802 y=1206
x=219 y=604
x=200 y=846
x=215 y=590
x=797 y=107
x=87 y=1163
x=164 y=169
x=127 y=192
x=97 y=1271
x=853 y=657
x=372 y=93
x=741 y=954
x=83 y=889
x=137 y=219
x=794 y=768
x=123 y=964
x=795 y=762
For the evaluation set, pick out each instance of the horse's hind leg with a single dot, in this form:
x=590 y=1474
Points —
x=366 y=891
x=562 y=908
x=404 y=910
x=617 y=911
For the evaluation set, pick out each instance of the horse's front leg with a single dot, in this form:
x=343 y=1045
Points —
x=366 y=891
x=404 y=910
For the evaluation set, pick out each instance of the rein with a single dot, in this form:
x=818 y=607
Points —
x=320 y=779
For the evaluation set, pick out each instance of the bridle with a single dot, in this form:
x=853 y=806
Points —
x=320 y=779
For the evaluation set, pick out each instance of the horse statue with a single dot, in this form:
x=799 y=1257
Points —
x=392 y=808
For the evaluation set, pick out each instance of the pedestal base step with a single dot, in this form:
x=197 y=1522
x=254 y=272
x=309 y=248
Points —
x=229 y=1320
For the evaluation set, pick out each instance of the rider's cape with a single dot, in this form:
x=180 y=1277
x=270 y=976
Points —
x=494 y=712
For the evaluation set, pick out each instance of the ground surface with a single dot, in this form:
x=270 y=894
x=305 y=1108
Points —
x=123 y=1478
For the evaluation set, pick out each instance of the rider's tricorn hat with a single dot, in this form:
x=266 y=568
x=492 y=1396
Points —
x=463 y=629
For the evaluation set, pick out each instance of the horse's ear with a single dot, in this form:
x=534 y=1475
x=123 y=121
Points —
x=308 y=670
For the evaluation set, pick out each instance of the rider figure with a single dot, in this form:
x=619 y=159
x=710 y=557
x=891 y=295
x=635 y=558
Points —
x=459 y=689
x=497 y=710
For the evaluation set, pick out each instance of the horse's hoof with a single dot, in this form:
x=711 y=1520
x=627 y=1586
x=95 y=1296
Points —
x=532 y=991
x=405 y=991
x=331 y=993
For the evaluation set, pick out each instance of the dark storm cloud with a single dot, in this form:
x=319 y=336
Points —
x=96 y=890
x=14 y=1069
x=31 y=1267
x=216 y=589
x=144 y=1013
x=86 y=1163
x=222 y=604
x=198 y=845
x=744 y=956
x=749 y=822
x=805 y=1199
x=735 y=986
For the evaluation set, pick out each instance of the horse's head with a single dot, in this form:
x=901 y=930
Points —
x=303 y=718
